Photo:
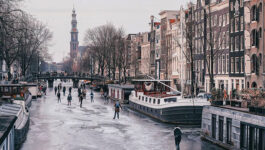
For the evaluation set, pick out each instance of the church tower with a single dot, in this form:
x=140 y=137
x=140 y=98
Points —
x=74 y=37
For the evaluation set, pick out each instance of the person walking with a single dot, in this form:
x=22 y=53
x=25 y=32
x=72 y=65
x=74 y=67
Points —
x=79 y=91
x=69 y=99
x=81 y=100
x=59 y=96
x=55 y=90
x=44 y=89
x=64 y=89
x=117 y=107
x=92 y=97
x=177 y=135
x=70 y=90
x=106 y=97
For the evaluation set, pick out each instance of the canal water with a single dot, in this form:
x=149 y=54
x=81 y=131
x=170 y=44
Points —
x=56 y=126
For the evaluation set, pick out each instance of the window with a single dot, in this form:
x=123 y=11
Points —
x=224 y=40
x=145 y=99
x=213 y=126
x=252 y=137
x=154 y=101
x=254 y=64
x=232 y=44
x=227 y=63
x=229 y=130
x=241 y=23
x=220 y=64
x=242 y=64
x=221 y=128
x=243 y=84
x=142 y=98
x=150 y=100
x=242 y=42
x=139 y=97
x=232 y=25
x=224 y=64
x=232 y=85
x=227 y=39
x=158 y=101
x=237 y=67
x=232 y=64
x=237 y=23
x=237 y=43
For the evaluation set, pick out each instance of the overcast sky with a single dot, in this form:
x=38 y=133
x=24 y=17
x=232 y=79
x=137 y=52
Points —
x=132 y=15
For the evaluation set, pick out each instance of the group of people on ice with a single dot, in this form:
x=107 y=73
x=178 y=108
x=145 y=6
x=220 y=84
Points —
x=82 y=95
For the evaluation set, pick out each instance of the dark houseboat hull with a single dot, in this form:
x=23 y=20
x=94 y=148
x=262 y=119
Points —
x=180 y=115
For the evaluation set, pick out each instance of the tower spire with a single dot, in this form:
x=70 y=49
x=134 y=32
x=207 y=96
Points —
x=73 y=8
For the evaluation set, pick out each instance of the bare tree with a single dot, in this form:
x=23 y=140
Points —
x=101 y=42
x=21 y=36
x=34 y=43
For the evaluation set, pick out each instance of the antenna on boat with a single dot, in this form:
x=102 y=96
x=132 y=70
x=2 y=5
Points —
x=164 y=84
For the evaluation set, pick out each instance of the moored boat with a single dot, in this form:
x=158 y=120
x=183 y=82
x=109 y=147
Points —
x=15 y=101
x=153 y=98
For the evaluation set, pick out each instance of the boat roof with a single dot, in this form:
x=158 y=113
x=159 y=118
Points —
x=16 y=85
x=6 y=124
x=124 y=86
x=149 y=80
x=10 y=84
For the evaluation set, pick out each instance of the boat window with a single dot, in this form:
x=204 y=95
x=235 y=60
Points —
x=6 y=89
x=139 y=97
x=154 y=101
x=170 y=100
x=158 y=101
x=146 y=99
x=150 y=100
x=15 y=89
x=142 y=98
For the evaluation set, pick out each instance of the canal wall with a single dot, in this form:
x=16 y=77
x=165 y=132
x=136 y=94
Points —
x=232 y=129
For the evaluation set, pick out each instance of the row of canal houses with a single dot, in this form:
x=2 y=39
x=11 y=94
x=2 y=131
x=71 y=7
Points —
x=15 y=102
x=178 y=47
x=234 y=29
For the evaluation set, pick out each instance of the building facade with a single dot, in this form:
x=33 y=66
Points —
x=179 y=75
x=167 y=17
x=145 y=54
x=219 y=14
x=254 y=43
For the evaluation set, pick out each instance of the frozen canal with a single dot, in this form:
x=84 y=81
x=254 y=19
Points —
x=56 y=126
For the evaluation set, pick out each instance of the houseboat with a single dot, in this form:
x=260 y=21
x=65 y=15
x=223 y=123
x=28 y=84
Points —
x=15 y=100
x=120 y=92
x=32 y=88
x=153 y=98
x=7 y=125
